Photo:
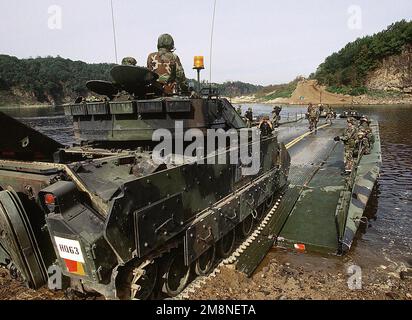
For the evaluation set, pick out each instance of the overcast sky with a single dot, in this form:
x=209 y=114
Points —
x=257 y=41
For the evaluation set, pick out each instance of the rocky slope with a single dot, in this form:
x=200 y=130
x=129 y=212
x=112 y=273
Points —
x=393 y=73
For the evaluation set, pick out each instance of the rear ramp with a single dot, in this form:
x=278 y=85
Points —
x=322 y=208
x=311 y=223
x=330 y=207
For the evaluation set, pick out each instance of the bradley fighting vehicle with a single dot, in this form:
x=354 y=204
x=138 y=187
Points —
x=108 y=216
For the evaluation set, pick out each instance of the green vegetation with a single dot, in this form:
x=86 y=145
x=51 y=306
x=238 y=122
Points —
x=53 y=80
x=348 y=90
x=346 y=70
x=49 y=79
x=229 y=88
x=237 y=88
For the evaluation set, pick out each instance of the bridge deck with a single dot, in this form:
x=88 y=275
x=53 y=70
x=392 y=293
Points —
x=306 y=214
x=316 y=169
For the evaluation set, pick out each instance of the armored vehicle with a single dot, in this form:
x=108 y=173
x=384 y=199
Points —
x=112 y=218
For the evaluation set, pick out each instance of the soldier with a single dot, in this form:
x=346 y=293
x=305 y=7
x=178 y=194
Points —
x=349 y=139
x=320 y=107
x=265 y=126
x=168 y=66
x=129 y=61
x=368 y=137
x=239 y=109
x=329 y=114
x=313 y=117
x=362 y=144
x=249 y=117
x=276 y=116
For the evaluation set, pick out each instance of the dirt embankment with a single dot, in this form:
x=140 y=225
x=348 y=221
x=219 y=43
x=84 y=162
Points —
x=292 y=280
x=11 y=289
x=282 y=276
x=310 y=91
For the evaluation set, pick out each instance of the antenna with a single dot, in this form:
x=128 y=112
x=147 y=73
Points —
x=211 y=43
x=114 y=32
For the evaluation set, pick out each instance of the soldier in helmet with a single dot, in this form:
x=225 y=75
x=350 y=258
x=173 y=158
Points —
x=313 y=117
x=362 y=144
x=276 y=116
x=167 y=65
x=329 y=114
x=129 y=61
x=249 y=117
x=349 y=139
x=321 y=108
x=368 y=137
x=239 y=110
x=265 y=126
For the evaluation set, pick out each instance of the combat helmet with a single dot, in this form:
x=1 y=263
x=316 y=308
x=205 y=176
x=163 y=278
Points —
x=166 y=41
x=351 y=120
x=129 y=61
x=361 y=134
x=364 y=119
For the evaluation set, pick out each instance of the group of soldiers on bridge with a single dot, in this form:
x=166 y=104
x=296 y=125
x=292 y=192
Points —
x=266 y=124
x=358 y=139
x=314 y=112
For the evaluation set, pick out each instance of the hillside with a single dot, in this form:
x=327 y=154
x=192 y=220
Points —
x=45 y=80
x=378 y=62
x=53 y=80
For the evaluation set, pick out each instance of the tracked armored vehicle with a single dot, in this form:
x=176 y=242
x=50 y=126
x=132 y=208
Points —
x=110 y=217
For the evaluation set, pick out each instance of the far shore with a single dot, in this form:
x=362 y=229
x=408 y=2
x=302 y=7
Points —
x=331 y=104
x=27 y=106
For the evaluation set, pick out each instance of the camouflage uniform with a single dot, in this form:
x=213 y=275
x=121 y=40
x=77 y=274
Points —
x=93 y=98
x=168 y=66
x=362 y=144
x=265 y=126
x=129 y=61
x=349 y=138
x=239 y=110
x=329 y=114
x=249 y=117
x=276 y=116
x=313 y=117
x=368 y=138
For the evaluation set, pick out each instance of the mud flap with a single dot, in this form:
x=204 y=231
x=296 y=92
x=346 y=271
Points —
x=17 y=241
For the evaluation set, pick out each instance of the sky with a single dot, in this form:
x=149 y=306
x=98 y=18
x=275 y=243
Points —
x=256 y=41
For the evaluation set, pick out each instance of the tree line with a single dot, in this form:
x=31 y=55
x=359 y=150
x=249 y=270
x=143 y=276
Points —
x=55 y=79
x=50 y=78
x=346 y=71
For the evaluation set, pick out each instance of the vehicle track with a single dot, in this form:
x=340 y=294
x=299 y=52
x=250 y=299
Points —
x=230 y=261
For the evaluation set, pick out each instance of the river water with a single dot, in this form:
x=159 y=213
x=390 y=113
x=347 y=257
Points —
x=388 y=236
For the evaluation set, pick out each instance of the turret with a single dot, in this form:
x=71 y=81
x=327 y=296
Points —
x=133 y=106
